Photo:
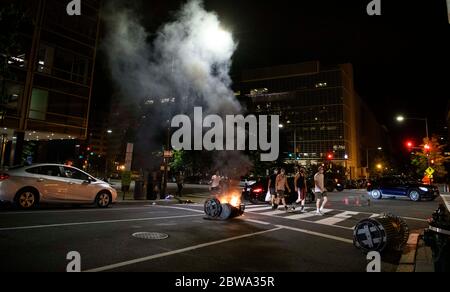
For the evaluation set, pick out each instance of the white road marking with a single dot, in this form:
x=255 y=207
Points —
x=276 y=212
x=306 y=215
x=317 y=234
x=73 y=211
x=178 y=251
x=258 y=208
x=337 y=218
x=257 y=222
x=180 y=208
x=93 y=222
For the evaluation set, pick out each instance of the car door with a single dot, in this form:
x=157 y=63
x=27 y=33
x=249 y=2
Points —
x=402 y=188
x=50 y=182
x=80 y=188
x=387 y=186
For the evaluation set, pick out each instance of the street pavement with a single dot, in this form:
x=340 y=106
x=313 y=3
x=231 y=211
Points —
x=263 y=240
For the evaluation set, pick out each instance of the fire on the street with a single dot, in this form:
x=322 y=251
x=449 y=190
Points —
x=232 y=199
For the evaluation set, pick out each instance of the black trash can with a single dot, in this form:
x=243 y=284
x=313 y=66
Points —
x=139 y=190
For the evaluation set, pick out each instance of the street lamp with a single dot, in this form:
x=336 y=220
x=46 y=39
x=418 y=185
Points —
x=401 y=119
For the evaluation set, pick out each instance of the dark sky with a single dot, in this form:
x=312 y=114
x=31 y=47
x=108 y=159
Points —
x=401 y=58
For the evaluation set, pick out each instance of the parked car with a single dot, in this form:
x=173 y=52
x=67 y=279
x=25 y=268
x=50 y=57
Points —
x=401 y=187
x=28 y=186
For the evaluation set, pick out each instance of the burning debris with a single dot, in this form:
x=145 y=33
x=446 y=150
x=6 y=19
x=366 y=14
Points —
x=225 y=207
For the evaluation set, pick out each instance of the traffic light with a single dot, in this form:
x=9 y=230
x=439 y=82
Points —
x=330 y=156
x=409 y=144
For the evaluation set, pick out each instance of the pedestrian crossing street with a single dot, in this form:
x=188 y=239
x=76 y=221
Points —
x=336 y=218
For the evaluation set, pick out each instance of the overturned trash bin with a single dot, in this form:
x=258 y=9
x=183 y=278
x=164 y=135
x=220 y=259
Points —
x=215 y=210
x=387 y=232
x=437 y=237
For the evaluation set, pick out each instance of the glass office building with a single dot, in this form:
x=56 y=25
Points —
x=49 y=80
x=318 y=109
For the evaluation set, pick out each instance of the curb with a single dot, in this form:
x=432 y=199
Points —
x=407 y=262
x=416 y=257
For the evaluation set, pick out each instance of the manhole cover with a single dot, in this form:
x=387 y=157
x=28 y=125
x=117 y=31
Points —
x=150 y=235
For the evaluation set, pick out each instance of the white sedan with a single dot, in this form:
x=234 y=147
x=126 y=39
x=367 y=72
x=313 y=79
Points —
x=28 y=186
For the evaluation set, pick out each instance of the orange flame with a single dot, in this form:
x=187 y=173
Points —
x=233 y=199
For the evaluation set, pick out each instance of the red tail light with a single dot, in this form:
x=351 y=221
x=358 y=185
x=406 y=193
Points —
x=4 y=176
x=258 y=190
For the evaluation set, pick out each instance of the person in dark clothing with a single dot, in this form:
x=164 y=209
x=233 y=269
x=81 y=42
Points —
x=300 y=188
x=180 y=183
x=272 y=190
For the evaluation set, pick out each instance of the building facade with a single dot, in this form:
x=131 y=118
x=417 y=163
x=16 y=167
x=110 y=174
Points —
x=320 y=112
x=49 y=82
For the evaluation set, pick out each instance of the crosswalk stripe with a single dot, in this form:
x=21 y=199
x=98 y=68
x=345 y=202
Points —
x=337 y=218
x=258 y=209
x=306 y=215
x=276 y=212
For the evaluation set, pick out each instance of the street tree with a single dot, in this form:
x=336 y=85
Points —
x=431 y=154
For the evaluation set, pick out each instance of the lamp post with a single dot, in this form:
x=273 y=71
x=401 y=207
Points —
x=401 y=119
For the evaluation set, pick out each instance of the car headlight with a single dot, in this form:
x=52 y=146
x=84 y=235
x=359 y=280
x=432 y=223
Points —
x=423 y=189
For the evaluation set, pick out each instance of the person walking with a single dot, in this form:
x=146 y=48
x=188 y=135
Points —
x=215 y=183
x=281 y=186
x=301 y=188
x=180 y=183
x=320 y=191
x=271 y=188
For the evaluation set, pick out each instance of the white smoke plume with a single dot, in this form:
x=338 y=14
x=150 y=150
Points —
x=189 y=58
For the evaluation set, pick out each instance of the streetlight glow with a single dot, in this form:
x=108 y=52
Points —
x=400 y=119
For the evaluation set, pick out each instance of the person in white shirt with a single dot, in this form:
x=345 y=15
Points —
x=320 y=191
x=215 y=182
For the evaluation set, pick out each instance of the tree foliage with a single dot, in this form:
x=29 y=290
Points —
x=434 y=157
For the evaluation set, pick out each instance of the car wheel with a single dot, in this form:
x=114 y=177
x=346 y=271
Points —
x=376 y=194
x=27 y=199
x=103 y=200
x=414 y=195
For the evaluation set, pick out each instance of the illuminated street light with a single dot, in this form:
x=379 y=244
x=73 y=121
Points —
x=379 y=166
x=281 y=126
x=216 y=39
x=109 y=131
x=401 y=119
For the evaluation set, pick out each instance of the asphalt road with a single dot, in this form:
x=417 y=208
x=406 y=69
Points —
x=262 y=240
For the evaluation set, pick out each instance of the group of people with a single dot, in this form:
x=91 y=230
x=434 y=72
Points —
x=278 y=184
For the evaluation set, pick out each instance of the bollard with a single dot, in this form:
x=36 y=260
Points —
x=388 y=232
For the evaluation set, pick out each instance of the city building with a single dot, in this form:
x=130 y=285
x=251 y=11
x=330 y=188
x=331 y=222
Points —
x=322 y=118
x=49 y=82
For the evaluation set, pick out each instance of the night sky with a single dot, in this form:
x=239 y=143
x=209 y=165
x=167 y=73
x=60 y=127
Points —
x=401 y=58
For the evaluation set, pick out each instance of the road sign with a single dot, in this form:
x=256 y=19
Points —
x=430 y=171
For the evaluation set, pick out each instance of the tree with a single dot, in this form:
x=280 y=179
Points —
x=431 y=154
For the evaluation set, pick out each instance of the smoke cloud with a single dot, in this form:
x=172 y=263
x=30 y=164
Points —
x=184 y=64
x=189 y=59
